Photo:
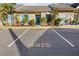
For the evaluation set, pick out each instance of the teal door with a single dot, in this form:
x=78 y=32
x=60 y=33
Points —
x=38 y=18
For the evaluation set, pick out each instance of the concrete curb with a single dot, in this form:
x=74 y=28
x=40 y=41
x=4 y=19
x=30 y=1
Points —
x=24 y=27
x=45 y=27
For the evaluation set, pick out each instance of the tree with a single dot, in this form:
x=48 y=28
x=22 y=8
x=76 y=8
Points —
x=6 y=9
x=54 y=13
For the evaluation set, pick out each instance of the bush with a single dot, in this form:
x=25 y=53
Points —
x=74 y=22
x=25 y=20
x=32 y=22
x=57 y=21
x=66 y=21
x=4 y=20
x=17 y=21
x=43 y=20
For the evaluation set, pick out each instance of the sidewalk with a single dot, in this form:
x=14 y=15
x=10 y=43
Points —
x=40 y=27
x=23 y=27
x=67 y=26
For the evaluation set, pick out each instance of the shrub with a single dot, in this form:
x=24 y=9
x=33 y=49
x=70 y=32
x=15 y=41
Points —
x=32 y=22
x=74 y=22
x=43 y=20
x=57 y=21
x=17 y=21
x=4 y=19
x=25 y=20
x=66 y=21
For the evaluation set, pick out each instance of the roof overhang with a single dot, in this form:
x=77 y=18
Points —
x=32 y=9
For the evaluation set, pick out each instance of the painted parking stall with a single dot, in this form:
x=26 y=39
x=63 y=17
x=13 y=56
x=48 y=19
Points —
x=40 y=42
x=70 y=34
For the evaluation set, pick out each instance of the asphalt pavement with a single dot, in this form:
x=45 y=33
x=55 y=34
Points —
x=39 y=42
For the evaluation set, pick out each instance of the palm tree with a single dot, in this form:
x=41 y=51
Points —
x=54 y=13
x=5 y=10
x=54 y=16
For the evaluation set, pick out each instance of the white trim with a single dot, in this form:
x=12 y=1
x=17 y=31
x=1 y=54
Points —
x=64 y=38
x=18 y=38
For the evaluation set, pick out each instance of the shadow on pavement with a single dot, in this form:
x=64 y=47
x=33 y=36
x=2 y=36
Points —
x=51 y=39
x=56 y=46
x=21 y=47
x=54 y=50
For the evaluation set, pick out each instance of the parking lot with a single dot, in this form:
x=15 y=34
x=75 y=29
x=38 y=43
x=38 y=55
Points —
x=39 y=42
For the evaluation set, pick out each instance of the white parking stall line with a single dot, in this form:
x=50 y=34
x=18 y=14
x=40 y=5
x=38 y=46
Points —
x=72 y=45
x=18 y=38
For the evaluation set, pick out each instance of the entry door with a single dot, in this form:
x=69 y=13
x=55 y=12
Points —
x=49 y=21
x=38 y=18
x=48 y=16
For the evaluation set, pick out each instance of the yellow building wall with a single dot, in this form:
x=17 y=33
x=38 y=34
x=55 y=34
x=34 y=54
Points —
x=31 y=16
x=66 y=15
